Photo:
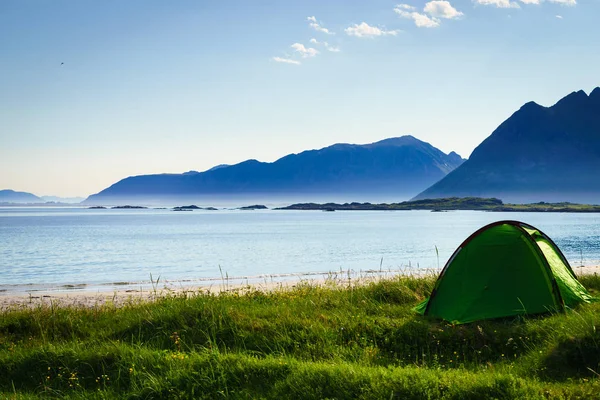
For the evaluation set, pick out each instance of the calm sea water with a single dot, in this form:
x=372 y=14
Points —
x=58 y=247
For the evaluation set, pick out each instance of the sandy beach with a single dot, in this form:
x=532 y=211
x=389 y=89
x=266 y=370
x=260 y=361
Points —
x=121 y=297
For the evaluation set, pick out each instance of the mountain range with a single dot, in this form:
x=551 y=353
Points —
x=398 y=167
x=538 y=154
x=10 y=196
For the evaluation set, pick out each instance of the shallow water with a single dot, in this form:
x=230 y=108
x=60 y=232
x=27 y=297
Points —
x=71 y=247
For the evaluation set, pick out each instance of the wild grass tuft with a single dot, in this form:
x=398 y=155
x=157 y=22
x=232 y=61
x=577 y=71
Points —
x=340 y=340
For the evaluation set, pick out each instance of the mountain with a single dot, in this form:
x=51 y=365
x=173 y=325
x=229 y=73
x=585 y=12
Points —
x=397 y=167
x=218 y=167
x=538 y=154
x=10 y=196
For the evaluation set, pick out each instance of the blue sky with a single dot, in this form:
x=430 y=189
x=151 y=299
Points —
x=154 y=86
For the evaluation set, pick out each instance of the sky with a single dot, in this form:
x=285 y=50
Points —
x=94 y=91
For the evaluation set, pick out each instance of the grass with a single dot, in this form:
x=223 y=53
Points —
x=336 y=340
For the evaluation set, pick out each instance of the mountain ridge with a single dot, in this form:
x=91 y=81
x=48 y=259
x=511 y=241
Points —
x=538 y=153
x=11 y=196
x=396 y=166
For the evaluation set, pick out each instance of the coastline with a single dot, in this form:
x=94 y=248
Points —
x=92 y=297
x=450 y=204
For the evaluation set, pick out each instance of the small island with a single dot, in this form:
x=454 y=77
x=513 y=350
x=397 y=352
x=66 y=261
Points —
x=97 y=208
x=254 y=207
x=450 y=204
x=187 y=208
x=127 y=207
x=192 y=208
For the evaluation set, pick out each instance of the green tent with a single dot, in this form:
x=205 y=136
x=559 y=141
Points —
x=504 y=269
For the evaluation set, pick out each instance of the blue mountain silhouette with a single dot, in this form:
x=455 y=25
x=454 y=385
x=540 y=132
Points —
x=399 y=166
x=538 y=154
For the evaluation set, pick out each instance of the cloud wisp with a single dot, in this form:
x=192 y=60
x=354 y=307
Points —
x=286 y=60
x=569 y=3
x=432 y=15
x=327 y=46
x=514 y=4
x=312 y=21
x=304 y=51
x=498 y=3
x=421 y=20
x=364 y=30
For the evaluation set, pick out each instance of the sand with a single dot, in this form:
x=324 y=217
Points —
x=121 y=297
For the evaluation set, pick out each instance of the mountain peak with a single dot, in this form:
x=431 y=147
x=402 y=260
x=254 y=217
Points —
x=574 y=99
x=216 y=167
x=530 y=105
x=455 y=157
x=397 y=141
x=539 y=153
x=398 y=167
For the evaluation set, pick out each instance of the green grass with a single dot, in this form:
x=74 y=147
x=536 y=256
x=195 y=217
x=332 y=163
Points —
x=339 y=341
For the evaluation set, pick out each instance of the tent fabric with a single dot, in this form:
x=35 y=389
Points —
x=504 y=269
x=571 y=290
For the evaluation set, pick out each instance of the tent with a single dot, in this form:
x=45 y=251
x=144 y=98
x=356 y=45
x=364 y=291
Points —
x=506 y=268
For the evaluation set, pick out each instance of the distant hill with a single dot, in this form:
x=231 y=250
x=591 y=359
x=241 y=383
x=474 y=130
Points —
x=538 y=154
x=399 y=166
x=10 y=196
x=64 y=200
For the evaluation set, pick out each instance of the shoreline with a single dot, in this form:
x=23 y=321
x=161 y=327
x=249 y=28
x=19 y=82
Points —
x=85 y=297
x=121 y=295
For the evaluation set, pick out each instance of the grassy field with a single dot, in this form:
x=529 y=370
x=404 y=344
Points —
x=336 y=341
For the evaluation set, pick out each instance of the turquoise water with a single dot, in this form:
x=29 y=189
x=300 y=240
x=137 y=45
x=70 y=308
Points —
x=59 y=247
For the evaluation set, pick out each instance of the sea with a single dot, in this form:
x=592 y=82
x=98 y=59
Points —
x=60 y=248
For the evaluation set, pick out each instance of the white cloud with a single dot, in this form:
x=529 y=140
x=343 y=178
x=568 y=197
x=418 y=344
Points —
x=286 y=60
x=326 y=45
x=305 y=51
x=402 y=13
x=365 y=30
x=565 y=2
x=319 y=28
x=405 y=7
x=443 y=9
x=421 y=20
x=498 y=3
x=559 y=16
x=316 y=26
x=530 y=1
